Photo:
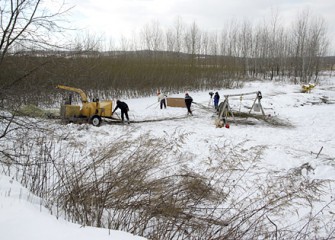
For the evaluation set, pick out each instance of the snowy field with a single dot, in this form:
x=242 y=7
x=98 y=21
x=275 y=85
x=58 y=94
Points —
x=305 y=142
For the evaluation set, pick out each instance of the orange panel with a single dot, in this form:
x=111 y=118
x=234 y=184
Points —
x=175 y=102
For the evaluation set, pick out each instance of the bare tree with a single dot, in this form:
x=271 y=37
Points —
x=273 y=50
x=300 y=36
x=125 y=43
x=204 y=45
x=245 y=44
x=170 y=40
x=152 y=35
x=179 y=31
x=192 y=39
x=310 y=44
x=27 y=23
x=24 y=25
x=317 y=46
x=214 y=44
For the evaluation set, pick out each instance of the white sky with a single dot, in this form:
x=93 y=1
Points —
x=114 y=18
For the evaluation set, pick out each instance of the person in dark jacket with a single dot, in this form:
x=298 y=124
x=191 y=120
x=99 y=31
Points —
x=124 y=109
x=188 y=103
x=216 y=100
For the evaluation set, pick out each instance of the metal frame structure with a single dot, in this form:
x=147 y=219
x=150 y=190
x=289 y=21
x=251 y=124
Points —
x=225 y=109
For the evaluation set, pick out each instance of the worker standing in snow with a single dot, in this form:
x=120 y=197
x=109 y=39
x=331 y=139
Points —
x=188 y=103
x=216 y=101
x=124 y=110
x=162 y=99
x=211 y=97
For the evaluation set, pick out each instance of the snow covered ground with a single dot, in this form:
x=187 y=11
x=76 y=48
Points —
x=308 y=138
x=23 y=217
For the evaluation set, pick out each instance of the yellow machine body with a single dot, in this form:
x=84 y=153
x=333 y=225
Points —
x=88 y=110
x=102 y=109
x=69 y=111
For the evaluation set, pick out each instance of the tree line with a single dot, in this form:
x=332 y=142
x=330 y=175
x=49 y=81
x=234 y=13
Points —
x=181 y=58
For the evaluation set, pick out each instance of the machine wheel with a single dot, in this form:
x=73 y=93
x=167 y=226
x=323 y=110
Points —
x=96 y=120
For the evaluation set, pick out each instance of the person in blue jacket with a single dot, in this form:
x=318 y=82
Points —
x=216 y=101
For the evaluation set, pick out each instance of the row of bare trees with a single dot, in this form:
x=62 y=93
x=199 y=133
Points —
x=268 y=48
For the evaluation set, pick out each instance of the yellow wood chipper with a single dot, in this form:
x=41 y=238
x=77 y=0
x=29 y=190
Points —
x=91 y=112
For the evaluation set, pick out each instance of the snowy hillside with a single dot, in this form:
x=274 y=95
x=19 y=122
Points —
x=22 y=216
x=301 y=145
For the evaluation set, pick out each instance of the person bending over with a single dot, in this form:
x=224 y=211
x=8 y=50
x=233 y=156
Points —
x=124 y=110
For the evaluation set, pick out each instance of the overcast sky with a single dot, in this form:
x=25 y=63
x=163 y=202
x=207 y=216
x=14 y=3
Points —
x=113 y=18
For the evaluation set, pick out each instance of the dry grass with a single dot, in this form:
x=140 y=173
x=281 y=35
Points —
x=36 y=112
x=245 y=118
x=144 y=186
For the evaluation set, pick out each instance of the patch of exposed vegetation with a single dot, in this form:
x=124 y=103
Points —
x=36 y=112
